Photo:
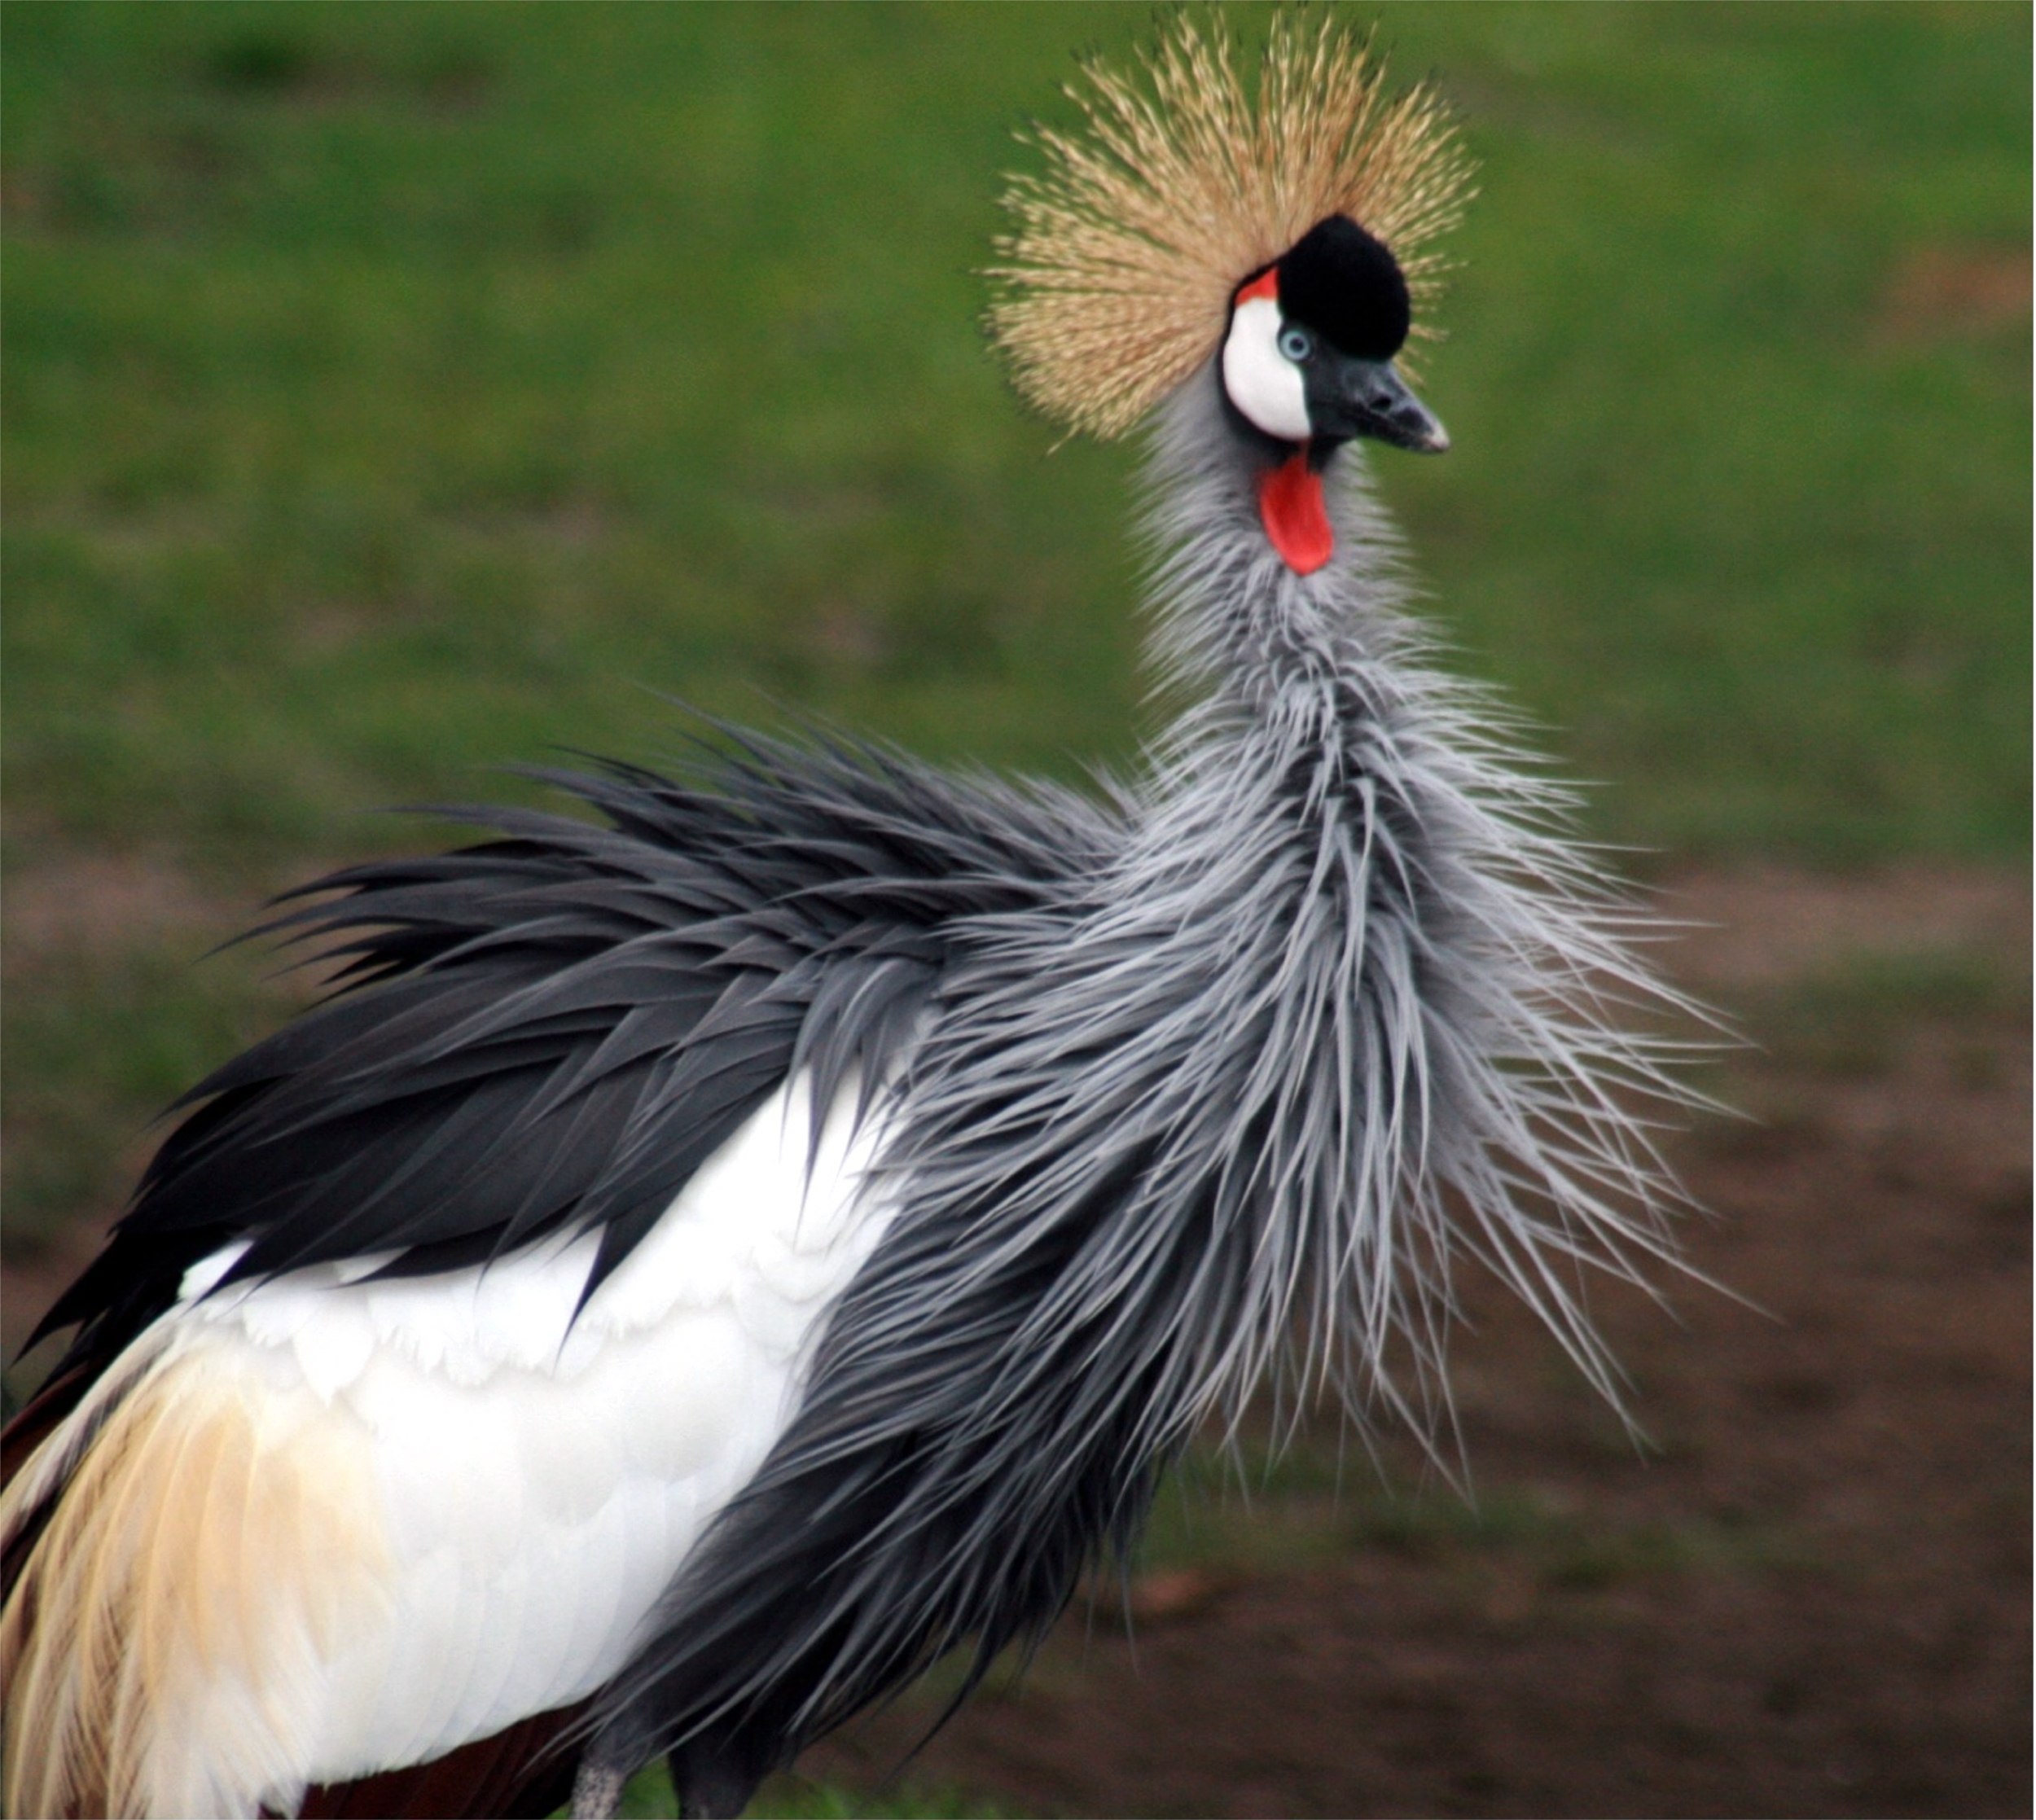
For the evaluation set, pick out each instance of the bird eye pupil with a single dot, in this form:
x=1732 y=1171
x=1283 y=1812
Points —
x=1295 y=343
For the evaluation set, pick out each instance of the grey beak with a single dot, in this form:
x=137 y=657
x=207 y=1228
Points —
x=1369 y=398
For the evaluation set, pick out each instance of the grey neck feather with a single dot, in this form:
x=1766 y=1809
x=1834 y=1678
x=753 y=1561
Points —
x=1232 y=623
x=1350 y=982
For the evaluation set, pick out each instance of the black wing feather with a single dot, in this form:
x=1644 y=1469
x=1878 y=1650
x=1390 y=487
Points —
x=554 y=1028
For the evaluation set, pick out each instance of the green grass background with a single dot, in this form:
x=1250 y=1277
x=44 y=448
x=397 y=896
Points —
x=395 y=391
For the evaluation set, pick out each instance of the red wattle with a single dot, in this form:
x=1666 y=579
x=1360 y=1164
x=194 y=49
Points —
x=1290 y=507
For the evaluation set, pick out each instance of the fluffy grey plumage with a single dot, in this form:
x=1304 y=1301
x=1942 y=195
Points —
x=1340 y=1004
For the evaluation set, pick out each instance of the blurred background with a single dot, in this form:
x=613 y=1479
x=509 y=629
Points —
x=394 y=393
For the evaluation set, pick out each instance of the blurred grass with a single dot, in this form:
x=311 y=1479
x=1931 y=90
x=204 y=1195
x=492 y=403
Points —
x=1850 y=1021
x=649 y=1796
x=114 y=1037
x=392 y=389
x=1309 y=1506
x=396 y=391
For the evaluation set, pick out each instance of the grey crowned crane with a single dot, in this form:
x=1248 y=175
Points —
x=706 y=1262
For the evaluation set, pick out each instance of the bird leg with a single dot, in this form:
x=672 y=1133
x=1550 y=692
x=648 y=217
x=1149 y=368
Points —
x=597 y=1788
x=711 y=1783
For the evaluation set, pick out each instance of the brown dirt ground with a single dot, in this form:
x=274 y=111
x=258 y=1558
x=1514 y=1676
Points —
x=1811 y=1597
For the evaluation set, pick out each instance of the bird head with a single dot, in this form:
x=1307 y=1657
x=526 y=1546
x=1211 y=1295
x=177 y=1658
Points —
x=1307 y=359
x=1272 y=224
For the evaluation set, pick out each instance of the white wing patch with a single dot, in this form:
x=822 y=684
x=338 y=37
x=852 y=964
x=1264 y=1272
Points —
x=523 y=1484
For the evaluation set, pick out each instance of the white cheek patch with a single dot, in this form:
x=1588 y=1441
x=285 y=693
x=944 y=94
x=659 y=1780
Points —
x=1261 y=382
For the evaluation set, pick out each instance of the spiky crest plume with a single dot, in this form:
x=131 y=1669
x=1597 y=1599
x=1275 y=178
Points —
x=1116 y=278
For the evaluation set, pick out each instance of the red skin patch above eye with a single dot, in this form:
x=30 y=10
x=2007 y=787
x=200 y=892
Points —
x=1290 y=507
x=1266 y=284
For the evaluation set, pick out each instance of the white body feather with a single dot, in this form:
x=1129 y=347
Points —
x=523 y=1480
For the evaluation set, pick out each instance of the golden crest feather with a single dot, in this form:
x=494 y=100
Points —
x=1115 y=282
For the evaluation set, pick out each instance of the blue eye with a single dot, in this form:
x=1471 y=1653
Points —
x=1297 y=345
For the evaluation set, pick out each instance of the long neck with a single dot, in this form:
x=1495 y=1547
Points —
x=1233 y=623
x=1335 y=809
